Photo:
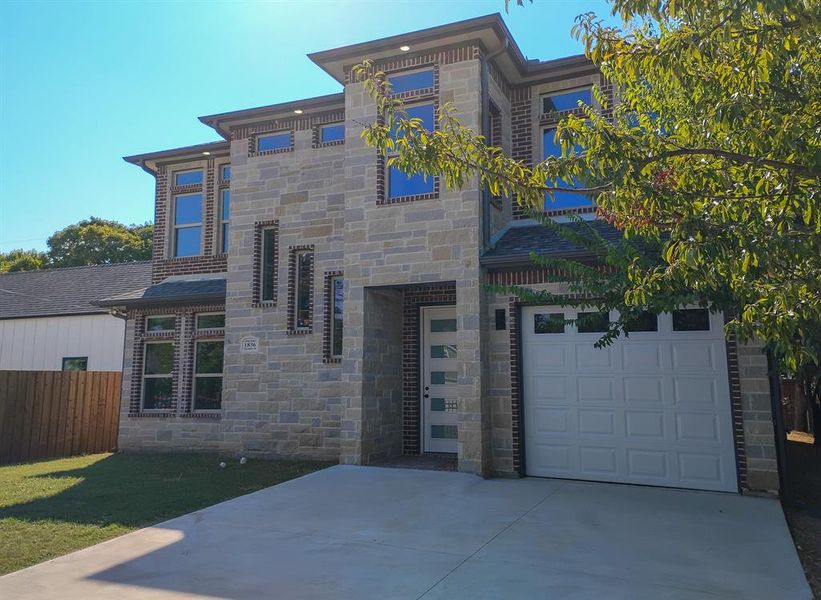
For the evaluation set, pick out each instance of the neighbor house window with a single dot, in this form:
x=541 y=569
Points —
x=560 y=200
x=411 y=82
x=193 y=177
x=225 y=173
x=274 y=141
x=337 y=299
x=211 y=321
x=335 y=132
x=226 y=212
x=400 y=183
x=566 y=100
x=187 y=224
x=158 y=368
x=160 y=323
x=75 y=363
x=207 y=392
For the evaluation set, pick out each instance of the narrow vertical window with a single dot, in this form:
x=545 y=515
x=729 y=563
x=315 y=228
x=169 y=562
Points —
x=300 y=289
x=158 y=375
x=304 y=291
x=337 y=299
x=268 y=265
x=187 y=224
x=226 y=211
x=225 y=173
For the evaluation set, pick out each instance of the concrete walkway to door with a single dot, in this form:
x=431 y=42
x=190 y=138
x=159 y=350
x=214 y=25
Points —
x=368 y=532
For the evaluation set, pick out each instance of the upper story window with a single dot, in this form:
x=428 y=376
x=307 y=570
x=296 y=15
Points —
x=411 y=82
x=193 y=177
x=187 y=224
x=225 y=173
x=335 y=132
x=226 y=212
x=560 y=200
x=566 y=100
x=274 y=141
x=401 y=184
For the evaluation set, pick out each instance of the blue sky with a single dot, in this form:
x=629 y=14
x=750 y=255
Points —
x=83 y=84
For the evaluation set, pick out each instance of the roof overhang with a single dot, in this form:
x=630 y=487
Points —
x=150 y=160
x=489 y=31
x=222 y=123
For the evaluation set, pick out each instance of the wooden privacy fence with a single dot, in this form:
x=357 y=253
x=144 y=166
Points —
x=49 y=414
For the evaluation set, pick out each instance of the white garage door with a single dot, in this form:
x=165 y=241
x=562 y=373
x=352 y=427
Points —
x=651 y=409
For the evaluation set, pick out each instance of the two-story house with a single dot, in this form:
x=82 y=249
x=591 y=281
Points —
x=309 y=301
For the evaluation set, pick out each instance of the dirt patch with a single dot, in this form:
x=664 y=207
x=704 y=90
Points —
x=802 y=506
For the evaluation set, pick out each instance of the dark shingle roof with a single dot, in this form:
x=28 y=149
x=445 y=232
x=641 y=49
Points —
x=205 y=288
x=518 y=242
x=69 y=291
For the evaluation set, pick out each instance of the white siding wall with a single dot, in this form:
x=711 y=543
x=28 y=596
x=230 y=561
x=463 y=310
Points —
x=40 y=344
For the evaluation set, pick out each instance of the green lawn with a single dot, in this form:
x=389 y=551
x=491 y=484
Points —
x=52 y=507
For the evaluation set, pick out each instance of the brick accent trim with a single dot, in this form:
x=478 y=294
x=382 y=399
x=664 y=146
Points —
x=445 y=55
x=414 y=298
x=517 y=427
x=256 y=282
x=182 y=338
x=293 y=251
x=736 y=411
x=327 y=318
x=292 y=123
x=316 y=135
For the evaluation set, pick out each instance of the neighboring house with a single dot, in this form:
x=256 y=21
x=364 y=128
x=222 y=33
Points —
x=307 y=301
x=48 y=321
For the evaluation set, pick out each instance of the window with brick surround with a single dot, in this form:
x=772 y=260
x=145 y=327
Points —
x=266 y=251
x=411 y=81
x=187 y=225
x=401 y=184
x=225 y=173
x=333 y=318
x=207 y=385
x=560 y=200
x=158 y=375
x=225 y=217
x=271 y=142
x=190 y=177
x=300 y=289
x=565 y=101
x=332 y=133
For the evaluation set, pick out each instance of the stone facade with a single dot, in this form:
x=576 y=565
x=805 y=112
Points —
x=288 y=397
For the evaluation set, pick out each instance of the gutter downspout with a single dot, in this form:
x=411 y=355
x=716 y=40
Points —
x=485 y=75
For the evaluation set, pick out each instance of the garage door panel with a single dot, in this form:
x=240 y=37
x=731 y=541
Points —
x=638 y=356
x=652 y=409
x=643 y=390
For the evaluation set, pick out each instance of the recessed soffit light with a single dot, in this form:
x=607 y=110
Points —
x=404 y=48
x=298 y=111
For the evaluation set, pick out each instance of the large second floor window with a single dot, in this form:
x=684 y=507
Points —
x=411 y=82
x=400 y=183
x=561 y=200
x=193 y=177
x=187 y=224
x=566 y=100
x=226 y=212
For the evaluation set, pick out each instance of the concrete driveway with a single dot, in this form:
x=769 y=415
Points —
x=367 y=532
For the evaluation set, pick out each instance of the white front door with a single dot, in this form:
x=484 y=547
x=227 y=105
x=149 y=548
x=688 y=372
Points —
x=651 y=409
x=439 y=372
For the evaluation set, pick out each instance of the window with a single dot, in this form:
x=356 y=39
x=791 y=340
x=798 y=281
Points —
x=75 y=363
x=566 y=100
x=332 y=133
x=304 y=290
x=592 y=322
x=560 y=200
x=548 y=323
x=337 y=300
x=268 y=265
x=211 y=321
x=274 y=141
x=158 y=367
x=226 y=211
x=188 y=177
x=208 y=375
x=691 y=319
x=187 y=224
x=401 y=184
x=411 y=82
x=225 y=173
x=646 y=321
x=160 y=323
